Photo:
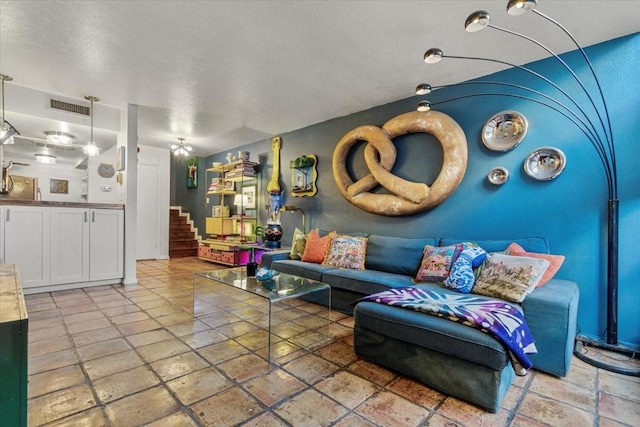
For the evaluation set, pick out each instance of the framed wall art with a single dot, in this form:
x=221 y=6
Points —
x=192 y=173
x=250 y=192
x=120 y=157
x=59 y=186
x=304 y=176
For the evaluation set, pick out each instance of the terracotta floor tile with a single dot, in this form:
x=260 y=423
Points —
x=257 y=339
x=174 y=319
x=92 y=337
x=564 y=391
x=619 y=386
x=310 y=408
x=36 y=335
x=619 y=409
x=174 y=367
x=288 y=330
x=311 y=368
x=582 y=377
x=122 y=319
x=179 y=419
x=188 y=328
x=50 y=345
x=244 y=367
x=219 y=319
x=50 y=361
x=139 y=327
x=141 y=408
x=355 y=420
x=53 y=380
x=124 y=383
x=102 y=348
x=199 y=385
x=162 y=350
x=149 y=337
x=120 y=310
x=339 y=353
x=311 y=340
x=108 y=365
x=468 y=414
x=233 y=330
x=76 y=328
x=265 y=420
x=416 y=392
x=228 y=408
x=203 y=339
x=222 y=351
x=156 y=303
x=372 y=372
x=274 y=386
x=89 y=418
x=389 y=409
x=347 y=389
x=46 y=323
x=59 y=404
x=553 y=412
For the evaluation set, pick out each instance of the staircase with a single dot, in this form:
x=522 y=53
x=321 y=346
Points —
x=183 y=236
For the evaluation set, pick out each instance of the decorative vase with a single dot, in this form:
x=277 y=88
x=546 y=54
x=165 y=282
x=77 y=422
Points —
x=272 y=235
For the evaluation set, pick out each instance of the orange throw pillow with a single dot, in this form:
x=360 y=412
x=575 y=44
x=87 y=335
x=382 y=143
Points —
x=316 y=248
x=555 y=261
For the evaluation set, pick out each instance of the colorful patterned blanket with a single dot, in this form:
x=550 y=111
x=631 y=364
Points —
x=499 y=318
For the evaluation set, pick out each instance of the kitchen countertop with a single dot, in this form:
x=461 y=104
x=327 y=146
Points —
x=14 y=202
x=12 y=306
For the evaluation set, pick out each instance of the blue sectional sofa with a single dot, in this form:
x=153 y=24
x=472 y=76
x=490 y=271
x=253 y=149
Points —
x=453 y=358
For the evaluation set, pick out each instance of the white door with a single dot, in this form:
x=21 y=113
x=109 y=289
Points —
x=26 y=243
x=106 y=244
x=148 y=193
x=69 y=245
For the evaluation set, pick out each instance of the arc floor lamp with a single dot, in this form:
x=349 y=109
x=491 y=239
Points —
x=591 y=116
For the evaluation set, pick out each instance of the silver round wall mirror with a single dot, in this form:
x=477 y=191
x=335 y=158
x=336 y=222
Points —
x=504 y=131
x=545 y=163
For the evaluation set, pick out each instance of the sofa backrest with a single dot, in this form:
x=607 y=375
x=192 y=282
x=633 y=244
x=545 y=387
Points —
x=395 y=254
x=530 y=244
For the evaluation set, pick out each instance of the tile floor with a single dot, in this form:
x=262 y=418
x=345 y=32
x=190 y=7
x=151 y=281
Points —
x=135 y=356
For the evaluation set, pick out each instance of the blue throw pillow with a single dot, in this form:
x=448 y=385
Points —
x=461 y=277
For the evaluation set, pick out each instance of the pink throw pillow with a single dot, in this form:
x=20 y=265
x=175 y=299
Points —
x=555 y=261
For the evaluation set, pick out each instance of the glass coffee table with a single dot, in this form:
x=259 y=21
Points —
x=280 y=288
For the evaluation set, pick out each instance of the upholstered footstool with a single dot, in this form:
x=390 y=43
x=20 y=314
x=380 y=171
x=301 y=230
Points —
x=455 y=359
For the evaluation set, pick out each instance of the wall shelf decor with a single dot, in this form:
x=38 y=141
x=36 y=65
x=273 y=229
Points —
x=304 y=175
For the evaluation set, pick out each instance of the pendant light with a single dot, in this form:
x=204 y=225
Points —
x=6 y=129
x=181 y=149
x=91 y=149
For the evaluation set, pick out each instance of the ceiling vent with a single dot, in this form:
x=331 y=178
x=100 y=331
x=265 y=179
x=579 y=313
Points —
x=69 y=107
x=55 y=147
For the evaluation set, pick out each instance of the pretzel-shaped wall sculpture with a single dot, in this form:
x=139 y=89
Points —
x=406 y=197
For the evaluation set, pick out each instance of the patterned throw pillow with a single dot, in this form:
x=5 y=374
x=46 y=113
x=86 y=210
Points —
x=461 y=277
x=297 y=244
x=509 y=277
x=346 y=252
x=316 y=247
x=555 y=261
x=436 y=262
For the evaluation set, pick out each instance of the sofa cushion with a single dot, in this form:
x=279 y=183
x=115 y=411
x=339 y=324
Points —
x=555 y=261
x=309 y=270
x=531 y=244
x=364 y=282
x=509 y=277
x=395 y=254
x=298 y=243
x=346 y=252
x=437 y=262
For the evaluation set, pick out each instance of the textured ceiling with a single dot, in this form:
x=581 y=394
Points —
x=226 y=73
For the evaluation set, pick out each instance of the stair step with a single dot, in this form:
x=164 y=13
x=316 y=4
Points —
x=182 y=253
x=183 y=244
x=181 y=235
x=179 y=227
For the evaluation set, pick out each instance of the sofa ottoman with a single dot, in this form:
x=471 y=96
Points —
x=451 y=357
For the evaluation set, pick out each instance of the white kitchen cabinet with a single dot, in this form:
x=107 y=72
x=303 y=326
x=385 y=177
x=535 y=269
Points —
x=86 y=245
x=69 y=245
x=26 y=241
x=106 y=248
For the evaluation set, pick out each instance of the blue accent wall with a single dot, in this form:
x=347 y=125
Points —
x=570 y=211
